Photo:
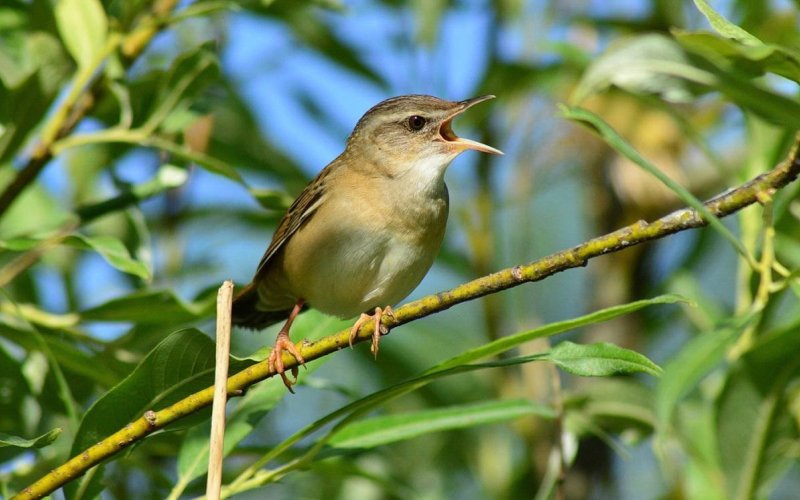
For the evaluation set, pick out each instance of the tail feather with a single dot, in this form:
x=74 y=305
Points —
x=246 y=313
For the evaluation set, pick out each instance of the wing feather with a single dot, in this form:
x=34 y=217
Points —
x=299 y=212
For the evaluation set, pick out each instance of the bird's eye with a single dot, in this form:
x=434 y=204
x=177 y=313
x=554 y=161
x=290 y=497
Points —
x=416 y=122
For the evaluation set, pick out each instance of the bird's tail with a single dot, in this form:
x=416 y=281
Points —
x=246 y=313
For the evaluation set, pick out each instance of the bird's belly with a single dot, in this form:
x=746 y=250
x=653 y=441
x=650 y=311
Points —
x=351 y=268
x=367 y=272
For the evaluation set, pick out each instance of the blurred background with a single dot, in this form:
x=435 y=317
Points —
x=271 y=90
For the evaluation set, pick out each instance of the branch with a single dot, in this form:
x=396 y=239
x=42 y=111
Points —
x=634 y=234
x=80 y=101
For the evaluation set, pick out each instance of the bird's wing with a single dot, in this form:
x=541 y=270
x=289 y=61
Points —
x=301 y=209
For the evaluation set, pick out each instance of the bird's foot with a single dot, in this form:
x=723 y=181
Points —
x=377 y=331
x=284 y=343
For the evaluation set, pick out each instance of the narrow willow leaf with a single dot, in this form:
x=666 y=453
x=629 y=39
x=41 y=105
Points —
x=697 y=358
x=725 y=27
x=750 y=59
x=646 y=64
x=252 y=408
x=599 y=360
x=83 y=26
x=37 y=442
x=506 y=343
x=181 y=364
x=752 y=423
x=240 y=422
x=383 y=430
x=151 y=307
x=624 y=148
x=109 y=248
x=113 y=251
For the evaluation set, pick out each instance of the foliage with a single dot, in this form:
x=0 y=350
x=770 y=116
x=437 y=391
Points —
x=138 y=170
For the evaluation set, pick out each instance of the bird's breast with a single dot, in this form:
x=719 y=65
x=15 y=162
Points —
x=365 y=247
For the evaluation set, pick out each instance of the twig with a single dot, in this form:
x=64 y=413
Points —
x=635 y=234
x=224 y=301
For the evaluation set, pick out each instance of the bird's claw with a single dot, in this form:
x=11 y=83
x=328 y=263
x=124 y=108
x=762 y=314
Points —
x=377 y=331
x=284 y=343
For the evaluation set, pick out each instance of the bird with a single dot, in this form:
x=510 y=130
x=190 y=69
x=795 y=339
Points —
x=363 y=233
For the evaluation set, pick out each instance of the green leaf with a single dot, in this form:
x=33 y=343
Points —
x=614 y=404
x=644 y=64
x=506 y=343
x=181 y=364
x=599 y=360
x=35 y=208
x=83 y=26
x=697 y=358
x=387 y=429
x=725 y=27
x=70 y=358
x=187 y=78
x=624 y=148
x=151 y=306
x=754 y=428
x=38 y=442
x=754 y=60
x=240 y=422
x=113 y=251
x=252 y=408
x=272 y=199
x=15 y=388
x=748 y=94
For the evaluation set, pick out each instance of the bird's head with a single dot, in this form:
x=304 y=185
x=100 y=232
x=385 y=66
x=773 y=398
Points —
x=413 y=132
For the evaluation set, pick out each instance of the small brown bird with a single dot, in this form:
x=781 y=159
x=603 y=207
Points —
x=365 y=231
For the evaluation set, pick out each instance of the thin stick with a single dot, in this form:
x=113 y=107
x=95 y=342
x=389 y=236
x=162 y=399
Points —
x=224 y=301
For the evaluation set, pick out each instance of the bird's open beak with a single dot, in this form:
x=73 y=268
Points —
x=446 y=129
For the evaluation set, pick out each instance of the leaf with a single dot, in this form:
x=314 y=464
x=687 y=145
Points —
x=69 y=357
x=599 y=360
x=614 y=404
x=725 y=27
x=624 y=148
x=506 y=343
x=181 y=364
x=754 y=60
x=649 y=64
x=272 y=199
x=38 y=442
x=697 y=358
x=753 y=428
x=151 y=306
x=187 y=78
x=383 y=430
x=83 y=26
x=113 y=251
x=252 y=408
x=240 y=422
x=15 y=388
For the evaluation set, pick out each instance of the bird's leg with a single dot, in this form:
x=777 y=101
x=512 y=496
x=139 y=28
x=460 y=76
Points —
x=284 y=343
x=379 y=329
